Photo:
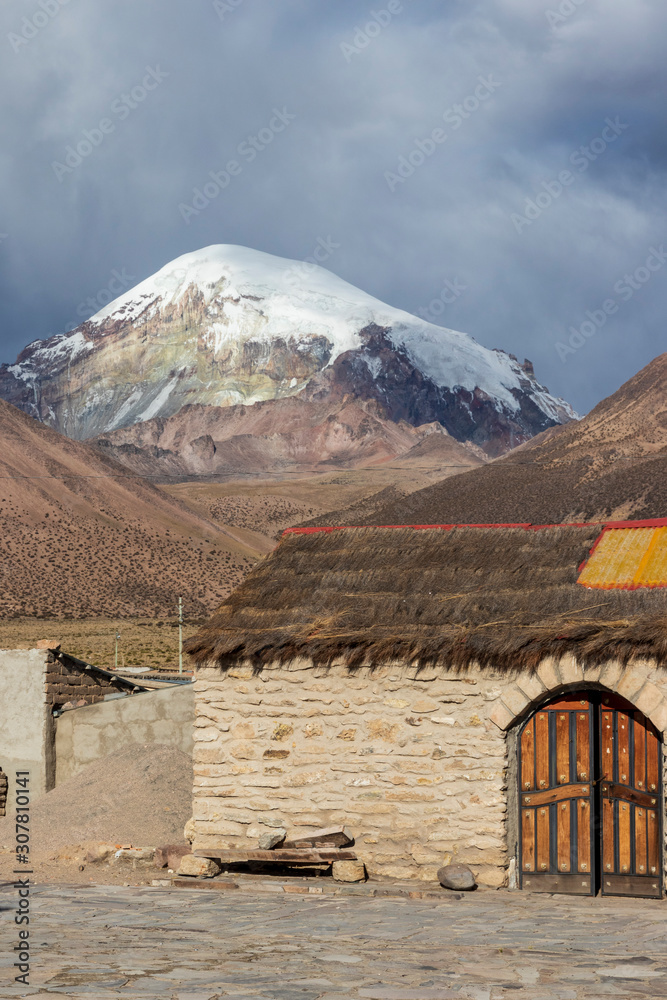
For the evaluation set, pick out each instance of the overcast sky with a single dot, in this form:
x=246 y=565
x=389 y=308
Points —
x=342 y=99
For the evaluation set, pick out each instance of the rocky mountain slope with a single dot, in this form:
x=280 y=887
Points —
x=82 y=537
x=229 y=327
x=612 y=464
x=334 y=422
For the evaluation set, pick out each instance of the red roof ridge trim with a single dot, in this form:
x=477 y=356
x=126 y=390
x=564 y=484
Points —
x=605 y=525
x=527 y=526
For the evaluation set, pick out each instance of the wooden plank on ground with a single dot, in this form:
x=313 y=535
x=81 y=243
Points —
x=279 y=855
x=188 y=882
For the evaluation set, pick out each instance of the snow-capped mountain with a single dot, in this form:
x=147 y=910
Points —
x=227 y=325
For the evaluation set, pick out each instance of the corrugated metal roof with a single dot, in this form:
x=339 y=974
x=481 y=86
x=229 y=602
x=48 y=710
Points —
x=627 y=558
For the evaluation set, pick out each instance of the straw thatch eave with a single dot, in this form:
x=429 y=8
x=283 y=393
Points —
x=503 y=598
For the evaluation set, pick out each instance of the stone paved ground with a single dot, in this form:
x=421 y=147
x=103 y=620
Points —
x=143 y=943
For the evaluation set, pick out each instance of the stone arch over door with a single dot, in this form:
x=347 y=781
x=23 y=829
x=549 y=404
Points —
x=636 y=682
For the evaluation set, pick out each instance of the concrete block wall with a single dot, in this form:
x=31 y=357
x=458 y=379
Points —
x=87 y=733
x=26 y=726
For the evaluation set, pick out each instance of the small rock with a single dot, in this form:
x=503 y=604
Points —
x=272 y=839
x=189 y=830
x=348 y=871
x=161 y=858
x=198 y=867
x=135 y=854
x=423 y=705
x=456 y=877
x=99 y=853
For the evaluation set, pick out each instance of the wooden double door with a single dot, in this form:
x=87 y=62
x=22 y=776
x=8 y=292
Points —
x=590 y=799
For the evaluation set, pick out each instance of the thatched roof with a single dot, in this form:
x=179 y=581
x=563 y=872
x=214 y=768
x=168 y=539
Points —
x=501 y=596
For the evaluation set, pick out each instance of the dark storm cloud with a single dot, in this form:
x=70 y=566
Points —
x=340 y=103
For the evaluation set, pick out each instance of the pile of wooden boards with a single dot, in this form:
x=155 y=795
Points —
x=319 y=847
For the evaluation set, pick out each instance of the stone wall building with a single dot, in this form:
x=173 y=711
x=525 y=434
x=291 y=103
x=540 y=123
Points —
x=489 y=695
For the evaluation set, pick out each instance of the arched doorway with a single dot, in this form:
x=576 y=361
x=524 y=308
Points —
x=590 y=795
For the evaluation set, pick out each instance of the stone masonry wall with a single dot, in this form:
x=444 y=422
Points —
x=420 y=765
x=409 y=761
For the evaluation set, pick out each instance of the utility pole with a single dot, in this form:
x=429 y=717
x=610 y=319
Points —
x=180 y=635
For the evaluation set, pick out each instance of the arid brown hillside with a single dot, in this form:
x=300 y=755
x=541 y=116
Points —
x=82 y=538
x=611 y=464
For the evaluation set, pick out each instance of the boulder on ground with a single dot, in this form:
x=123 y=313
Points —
x=271 y=839
x=169 y=855
x=198 y=867
x=348 y=871
x=456 y=877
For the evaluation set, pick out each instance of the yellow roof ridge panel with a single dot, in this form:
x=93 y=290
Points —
x=627 y=558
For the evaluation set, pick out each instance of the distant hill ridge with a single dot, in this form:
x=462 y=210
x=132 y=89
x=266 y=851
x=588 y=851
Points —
x=611 y=464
